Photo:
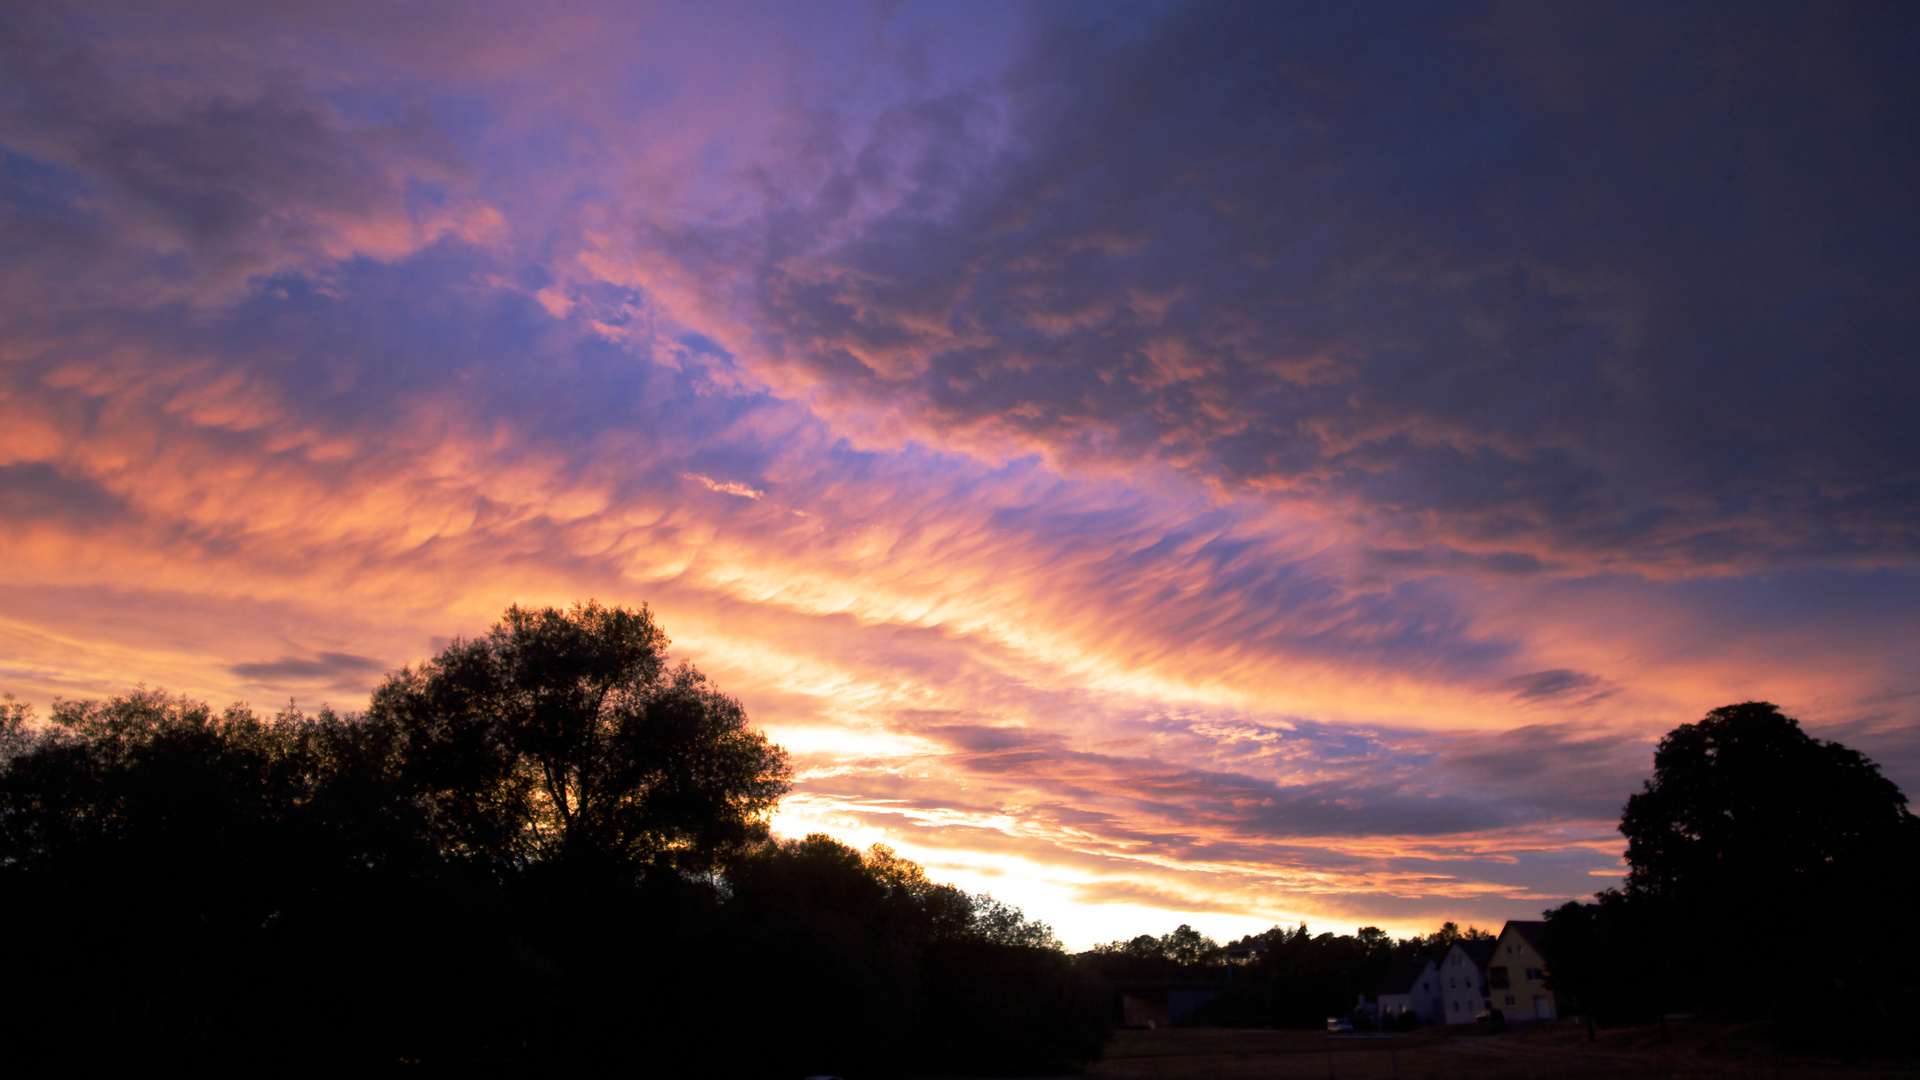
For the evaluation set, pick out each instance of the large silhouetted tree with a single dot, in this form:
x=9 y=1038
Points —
x=1748 y=827
x=564 y=737
x=1744 y=804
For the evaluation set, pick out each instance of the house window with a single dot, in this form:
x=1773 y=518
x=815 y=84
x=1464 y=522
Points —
x=1533 y=974
x=1497 y=978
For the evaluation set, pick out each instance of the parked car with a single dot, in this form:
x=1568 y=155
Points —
x=1335 y=1023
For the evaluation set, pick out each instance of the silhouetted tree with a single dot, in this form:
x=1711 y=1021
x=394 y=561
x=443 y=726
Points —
x=1749 y=825
x=1182 y=953
x=1605 y=960
x=1442 y=939
x=562 y=736
x=1298 y=980
x=217 y=892
x=875 y=966
x=1746 y=804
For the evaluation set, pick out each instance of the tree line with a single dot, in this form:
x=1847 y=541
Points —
x=544 y=851
x=1282 y=977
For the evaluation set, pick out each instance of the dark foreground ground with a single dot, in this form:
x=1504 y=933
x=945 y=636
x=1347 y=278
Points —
x=1559 y=1052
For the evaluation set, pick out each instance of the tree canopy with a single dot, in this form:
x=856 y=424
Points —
x=564 y=737
x=1753 y=852
x=1744 y=805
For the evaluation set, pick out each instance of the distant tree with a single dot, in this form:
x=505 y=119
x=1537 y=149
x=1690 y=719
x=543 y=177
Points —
x=15 y=734
x=1444 y=938
x=1188 y=946
x=932 y=974
x=1003 y=924
x=563 y=737
x=1373 y=939
x=1181 y=953
x=1297 y=979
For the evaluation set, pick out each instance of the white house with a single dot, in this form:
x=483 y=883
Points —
x=1463 y=970
x=1517 y=974
x=1412 y=986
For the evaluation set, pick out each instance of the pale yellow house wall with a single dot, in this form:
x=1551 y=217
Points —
x=1526 y=996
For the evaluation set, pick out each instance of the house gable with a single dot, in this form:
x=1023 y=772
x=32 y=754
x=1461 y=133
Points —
x=1517 y=973
x=1463 y=975
x=1412 y=987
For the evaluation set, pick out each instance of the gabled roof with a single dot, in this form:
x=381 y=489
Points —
x=1534 y=931
x=1477 y=951
x=1403 y=973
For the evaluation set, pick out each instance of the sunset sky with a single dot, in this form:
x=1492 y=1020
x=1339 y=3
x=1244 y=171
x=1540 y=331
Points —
x=1153 y=462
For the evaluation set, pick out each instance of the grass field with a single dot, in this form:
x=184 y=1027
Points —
x=1558 y=1052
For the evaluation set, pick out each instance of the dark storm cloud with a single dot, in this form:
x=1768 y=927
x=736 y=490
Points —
x=1629 y=283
